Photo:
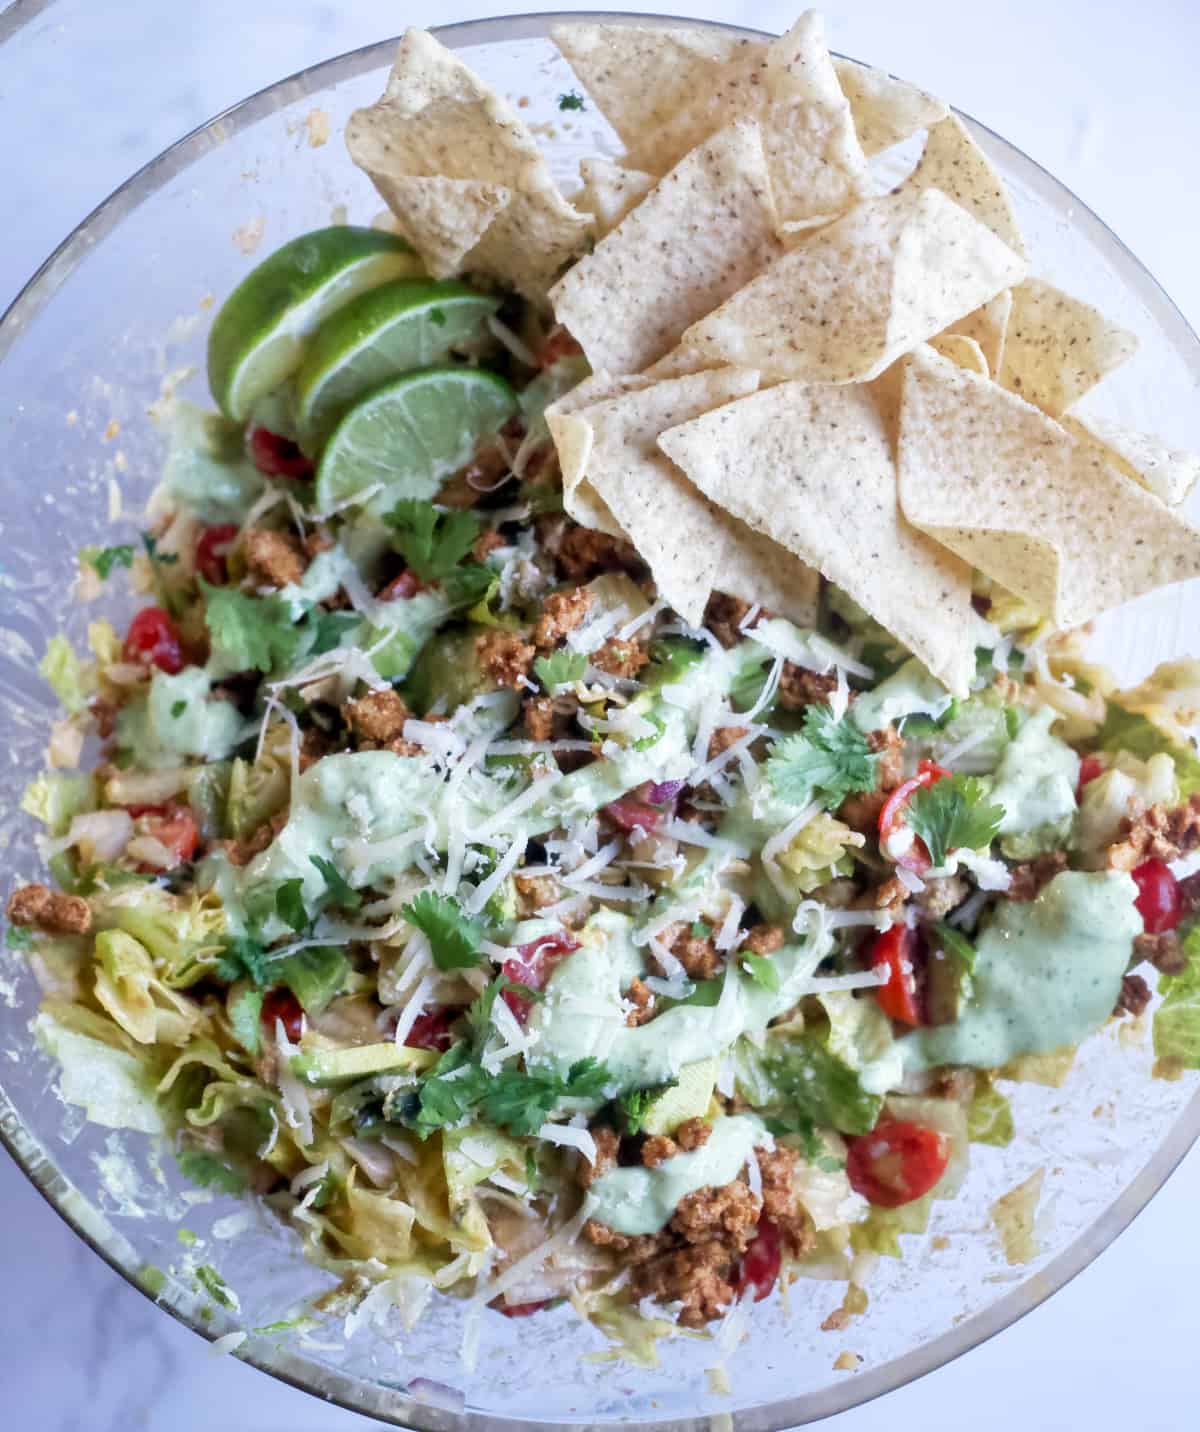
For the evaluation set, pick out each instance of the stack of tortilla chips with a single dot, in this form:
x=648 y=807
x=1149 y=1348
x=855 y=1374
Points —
x=794 y=373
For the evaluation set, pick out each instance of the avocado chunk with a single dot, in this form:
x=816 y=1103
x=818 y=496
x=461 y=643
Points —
x=947 y=981
x=448 y=670
x=324 y=1067
x=688 y=1099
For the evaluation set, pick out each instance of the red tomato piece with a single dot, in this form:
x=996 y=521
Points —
x=282 y=1004
x=211 y=551
x=557 y=344
x=278 y=456
x=153 y=640
x=172 y=825
x=629 y=814
x=1089 y=768
x=896 y=1162
x=532 y=966
x=400 y=588
x=519 y=1310
x=431 y=1030
x=891 y=817
x=1158 y=899
x=896 y=949
x=759 y=1268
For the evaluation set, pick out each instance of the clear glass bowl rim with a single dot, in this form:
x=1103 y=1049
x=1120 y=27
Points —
x=348 y=1392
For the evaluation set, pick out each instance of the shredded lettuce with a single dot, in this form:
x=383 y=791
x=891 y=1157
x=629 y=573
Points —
x=56 y=799
x=129 y=988
x=71 y=680
x=989 y=1116
x=1137 y=734
x=114 y=1088
x=799 y=1077
x=1177 y=1019
x=1110 y=797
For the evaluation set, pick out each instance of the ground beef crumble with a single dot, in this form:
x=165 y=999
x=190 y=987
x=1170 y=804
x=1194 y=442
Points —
x=505 y=658
x=378 y=717
x=561 y=613
x=537 y=716
x=51 y=911
x=724 y=737
x=619 y=657
x=697 y=954
x=724 y=616
x=1165 y=952
x=583 y=553
x=274 y=559
x=800 y=687
x=642 y=1000
x=860 y=811
x=762 y=940
x=1134 y=997
x=1156 y=834
x=1029 y=878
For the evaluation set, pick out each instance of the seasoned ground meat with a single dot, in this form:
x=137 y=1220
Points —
x=314 y=743
x=730 y=1213
x=584 y=553
x=781 y=1198
x=1164 y=952
x=1134 y=997
x=619 y=657
x=860 y=811
x=800 y=687
x=537 y=716
x=316 y=543
x=486 y=543
x=888 y=744
x=692 y=1134
x=607 y=1145
x=657 y=1149
x=1189 y=890
x=378 y=716
x=889 y=895
x=1157 y=834
x=695 y=1275
x=762 y=940
x=634 y=1248
x=697 y=954
x=723 y=617
x=724 y=737
x=242 y=852
x=561 y=613
x=942 y=893
x=274 y=559
x=642 y=1000
x=504 y=657
x=536 y=892
x=1029 y=878
x=39 y=907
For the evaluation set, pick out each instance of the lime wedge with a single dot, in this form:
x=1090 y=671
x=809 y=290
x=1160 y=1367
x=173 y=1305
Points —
x=409 y=323
x=260 y=335
x=406 y=438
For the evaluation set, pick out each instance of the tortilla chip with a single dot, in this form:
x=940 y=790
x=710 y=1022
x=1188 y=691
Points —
x=573 y=441
x=1012 y=492
x=955 y=164
x=443 y=219
x=642 y=78
x=987 y=325
x=610 y=191
x=690 y=546
x=961 y=350
x=1169 y=473
x=697 y=237
x=812 y=467
x=437 y=119
x=1058 y=347
x=885 y=110
x=849 y=300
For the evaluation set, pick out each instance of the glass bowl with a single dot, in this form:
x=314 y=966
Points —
x=115 y=320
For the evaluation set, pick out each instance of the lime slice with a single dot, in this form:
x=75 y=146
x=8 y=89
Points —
x=406 y=438
x=259 y=337
x=409 y=323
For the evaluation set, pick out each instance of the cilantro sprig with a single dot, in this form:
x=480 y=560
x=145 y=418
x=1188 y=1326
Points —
x=828 y=759
x=252 y=633
x=560 y=668
x=761 y=970
x=434 y=543
x=458 y=1089
x=954 y=814
x=571 y=100
x=103 y=560
x=453 y=935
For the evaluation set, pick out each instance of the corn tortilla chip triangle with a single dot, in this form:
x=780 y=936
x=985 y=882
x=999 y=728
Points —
x=813 y=468
x=1169 y=473
x=442 y=218
x=848 y=301
x=437 y=118
x=955 y=164
x=700 y=234
x=610 y=191
x=573 y=442
x=640 y=77
x=1058 y=347
x=885 y=110
x=1012 y=492
x=961 y=350
x=987 y=325
x=690 y=545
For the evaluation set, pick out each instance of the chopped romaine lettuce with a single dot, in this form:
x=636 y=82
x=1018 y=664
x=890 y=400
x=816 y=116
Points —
x=1177 y=1019
x=71 y=680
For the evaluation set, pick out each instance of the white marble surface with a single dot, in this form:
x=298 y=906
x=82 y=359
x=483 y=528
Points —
x=1104 y=95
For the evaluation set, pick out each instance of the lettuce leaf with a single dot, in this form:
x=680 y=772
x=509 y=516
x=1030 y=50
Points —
x=71 y=680
x=114 y=1088
x=1131 y=731
x=989 y=1116
x=55 y=799
x=800 y=1077
x=1177 y=1019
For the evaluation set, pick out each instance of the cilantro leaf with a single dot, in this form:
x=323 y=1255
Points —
x=453 y=935
x=479 y=1012
x=208 y=1171
x=761 y=971
x=466 y=585
x=522 y=1102
x=955 y=943
x=432 y=542
x=243 y=958
x=328 y=629
x=17 y=937
x=633 y=1106
x=828 y=758
x=251 y=633
x=102 y=560
x=571 y=100
x=954 y=814
x=560 y=668
x=245 y=1019
x=337 y=891
x=290 y=906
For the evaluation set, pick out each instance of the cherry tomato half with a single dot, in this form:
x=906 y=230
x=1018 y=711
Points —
x=211 y=550
x=532 y=966
x=1090 y=768
x=896 y=949
x=431 y=1030
x=759 y=1268
x=172 y=825
x=891 y=817
x=153 y=640
x=400 y=588
x=281 y=1004
x=1158 y=899
x=278 y=456
x=896 y=1163
x=519 y=1310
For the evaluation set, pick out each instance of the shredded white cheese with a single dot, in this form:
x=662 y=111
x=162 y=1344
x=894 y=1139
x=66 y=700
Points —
x=567 y=1137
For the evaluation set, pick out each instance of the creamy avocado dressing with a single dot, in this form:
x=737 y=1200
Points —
x=909 y=691
x=207 y=469
x=642 y=1200
x=1047 y=973
x=582 y=1013
x=1036 y=778
x=177 y=718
